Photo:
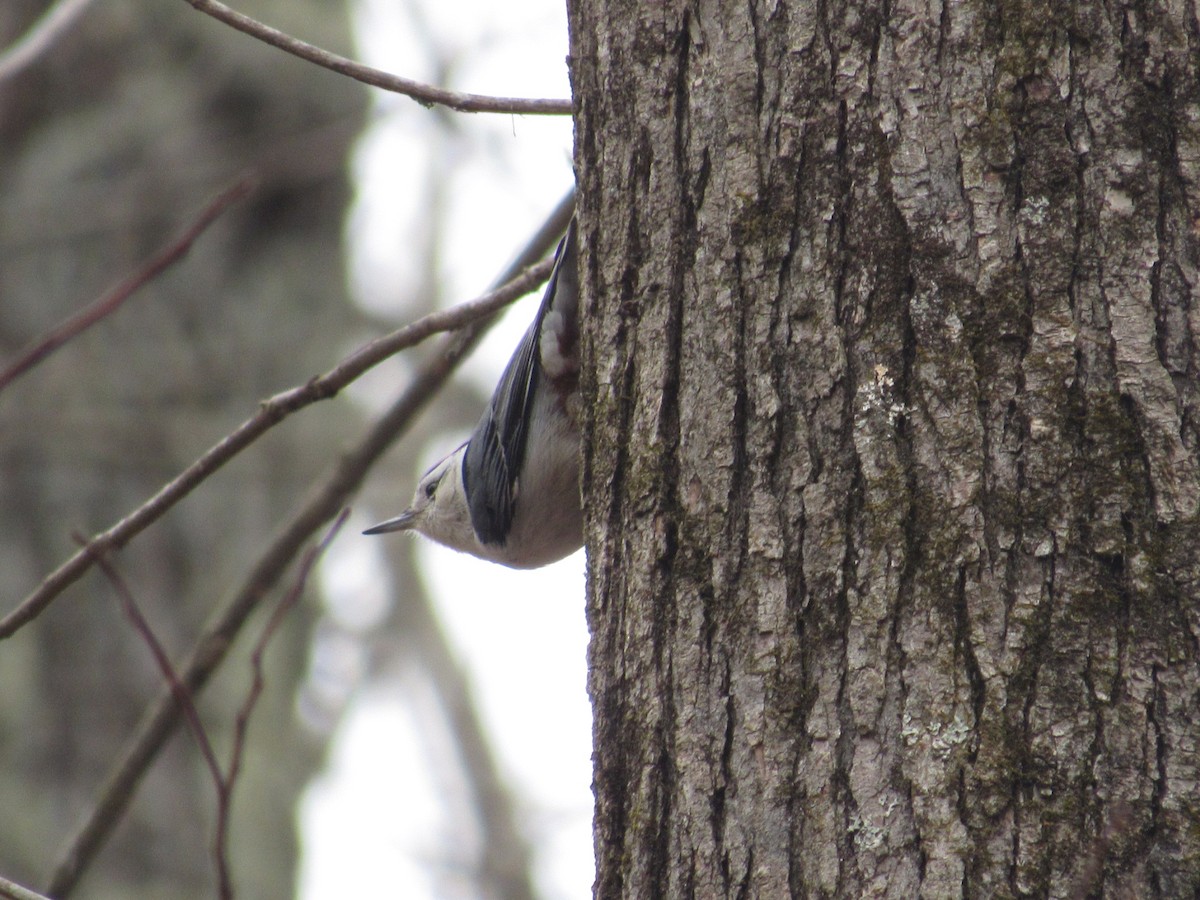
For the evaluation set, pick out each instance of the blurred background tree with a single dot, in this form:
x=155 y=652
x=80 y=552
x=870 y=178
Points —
x=139 y=116
x=110 y=141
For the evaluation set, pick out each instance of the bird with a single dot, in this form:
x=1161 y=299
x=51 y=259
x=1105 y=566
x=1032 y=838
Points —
x=510 y=493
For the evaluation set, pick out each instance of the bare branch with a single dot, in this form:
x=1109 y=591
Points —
x=111 y=300
x=270 y=413
x=242 y=723
x=329 y=497
x=40 y=37
x=132 y=612
x=425 y=94
x=223 y=782
x=10 y=890
x=182 y=696
x=213 y=645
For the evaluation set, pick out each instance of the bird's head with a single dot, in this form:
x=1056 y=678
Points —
x=439 y=507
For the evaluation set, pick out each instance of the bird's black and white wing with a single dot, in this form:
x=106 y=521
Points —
x=497 y=446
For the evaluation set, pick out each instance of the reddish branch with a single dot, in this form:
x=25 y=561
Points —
x=242 y=723
x=111 y=300
x=425 y=94
x=224 y=782
x=270 y=413
x=183 y=697
x=321 y=506
x=212 y=646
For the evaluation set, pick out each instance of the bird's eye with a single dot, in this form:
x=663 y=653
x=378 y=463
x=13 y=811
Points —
x=431 y=489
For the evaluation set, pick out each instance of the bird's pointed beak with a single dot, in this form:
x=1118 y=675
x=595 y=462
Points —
x=401 y=522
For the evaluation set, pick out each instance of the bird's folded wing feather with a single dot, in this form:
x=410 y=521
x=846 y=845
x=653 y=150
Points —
x=497 y=448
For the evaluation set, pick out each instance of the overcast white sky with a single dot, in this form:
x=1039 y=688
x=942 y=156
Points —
x=375 y=822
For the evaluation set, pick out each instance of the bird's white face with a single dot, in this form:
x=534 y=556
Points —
x=439 y=506
x=425 y=497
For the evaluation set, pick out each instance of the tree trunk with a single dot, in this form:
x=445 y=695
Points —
x=892 y=479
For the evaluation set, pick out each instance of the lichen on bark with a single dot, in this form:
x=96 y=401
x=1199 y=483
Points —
x=901 y=599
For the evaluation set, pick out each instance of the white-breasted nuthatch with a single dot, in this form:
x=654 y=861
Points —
x=510 y=493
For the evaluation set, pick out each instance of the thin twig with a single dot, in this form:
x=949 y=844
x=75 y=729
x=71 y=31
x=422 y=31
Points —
x=425 y=94
x=40 y=37
x=182 y=695
x=242 y=722
x=224 y=782
x=321 y=506
x=10 y=890
x=213 y=645
x=108 y=302
x=270 y=413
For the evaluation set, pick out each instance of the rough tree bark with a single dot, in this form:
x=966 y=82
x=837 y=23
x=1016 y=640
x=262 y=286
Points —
x=892 y=476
